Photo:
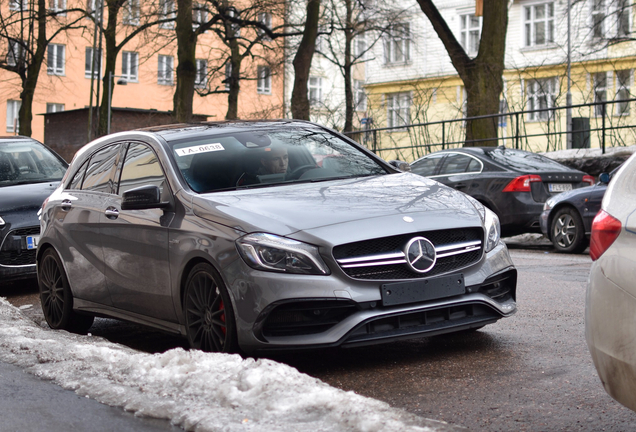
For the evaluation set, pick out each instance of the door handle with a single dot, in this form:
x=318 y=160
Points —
x=112 y=213
x=460 y=186
x=66 y=205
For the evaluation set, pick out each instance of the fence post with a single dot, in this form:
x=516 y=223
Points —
x=375 y=141
x=443 y=135
x=603 y=127
x=517 y=131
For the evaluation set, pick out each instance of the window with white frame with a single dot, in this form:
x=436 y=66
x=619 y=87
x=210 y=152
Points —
x=16 y=52
x=623 y=84
x=541 y=96
x=91 y=7
x=16 y=5
x=314 y=88
x=470 y=33
x=13 y=109
x=55 y=59
x=539 y=24
x=600 y=92
x=397 y=44
x=130 y=66
x=265 y=18
x=232 y=29
x=360 y=46
x=132 y=12
x=360 y=96
x=398 y=109
x=88 y=63
x=598 y=18
x=201 y=79
x=199 y=15
x=228 y=75
x=623 y=21
x=165 y=70
x=610 y=18
x=264 y=80
x=168 y=11
x=58 y=6
x=54 y=107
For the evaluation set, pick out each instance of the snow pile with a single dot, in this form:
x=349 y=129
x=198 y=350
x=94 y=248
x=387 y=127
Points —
x=195 y=390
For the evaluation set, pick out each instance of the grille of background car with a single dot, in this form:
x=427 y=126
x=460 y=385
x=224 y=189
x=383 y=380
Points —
x=388 y=245
x=11 y=255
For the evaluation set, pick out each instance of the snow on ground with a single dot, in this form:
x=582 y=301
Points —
x=195 y=390
x=590 y=153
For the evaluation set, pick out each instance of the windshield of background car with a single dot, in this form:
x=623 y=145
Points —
x=524 y=161
x=271 y=157
x=28 y=162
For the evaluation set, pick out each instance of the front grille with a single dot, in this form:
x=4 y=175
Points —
x=383 y=258
x=14 y=252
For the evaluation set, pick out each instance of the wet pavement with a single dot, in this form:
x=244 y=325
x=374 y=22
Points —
x=530 y=372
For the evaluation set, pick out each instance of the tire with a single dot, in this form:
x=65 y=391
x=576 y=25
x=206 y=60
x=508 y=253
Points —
x=56 y=297
x=209 y=317
x=567 y=231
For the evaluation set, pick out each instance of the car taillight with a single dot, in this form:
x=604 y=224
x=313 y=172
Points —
x=521 y=183
x=589 y=180
x=605 y=229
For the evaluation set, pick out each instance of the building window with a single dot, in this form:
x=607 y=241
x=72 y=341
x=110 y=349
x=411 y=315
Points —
x=541 y=96
x=199 y=15
x=623 y=84
x=130 y=66
x=201 y=79
x=167 y=11
x=228 y=75
x=16 y=5
x=398 y=109
x=539 y=24
x=600 y=92
x=360 y=46
x=91 y=7
x=265 y=18
x=16 y=53
x=13 y=109
x=88 y=63
x=470 y=33
x=132 y=11
x=315 y=90
x=54 y=107
x=55 y=59
x=264 y=81
x=397 y=44
x=623 y=12
x=165 y=70
x=359 y=95
x=58 y=6
x=610 y=18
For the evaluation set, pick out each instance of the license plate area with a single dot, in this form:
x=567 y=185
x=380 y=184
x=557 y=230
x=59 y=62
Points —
x=32 y=242
x=398 y=293
x=559 y=187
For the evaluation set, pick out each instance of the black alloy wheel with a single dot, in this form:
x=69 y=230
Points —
x=210 y=324
x=568 y=232
x=56 y=296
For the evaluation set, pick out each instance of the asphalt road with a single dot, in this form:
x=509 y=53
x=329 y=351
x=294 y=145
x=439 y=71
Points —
x=531 y=372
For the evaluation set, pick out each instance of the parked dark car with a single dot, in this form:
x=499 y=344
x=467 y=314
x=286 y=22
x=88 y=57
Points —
x=29 y=172
x=512 y=183
x=567 y=218
x=240 y=235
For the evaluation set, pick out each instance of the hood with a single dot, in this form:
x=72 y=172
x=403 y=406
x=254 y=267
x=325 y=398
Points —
x=25 y=197
x=372 y=201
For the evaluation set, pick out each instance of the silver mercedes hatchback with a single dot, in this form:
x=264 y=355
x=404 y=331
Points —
x=262 y=236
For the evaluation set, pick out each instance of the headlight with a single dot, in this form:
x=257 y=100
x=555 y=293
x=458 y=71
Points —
x=273 y=253
x=493 y=230
x=548 y=204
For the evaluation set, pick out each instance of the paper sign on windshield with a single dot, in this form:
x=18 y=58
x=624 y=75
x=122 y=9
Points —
x=199 y=149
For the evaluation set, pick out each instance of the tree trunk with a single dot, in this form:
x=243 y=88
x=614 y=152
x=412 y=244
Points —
x=302 y=62
x=348 y=76
x=108 y=80
x=235 y=80
x=483 y=75
x=187 y=68
x=30 y=79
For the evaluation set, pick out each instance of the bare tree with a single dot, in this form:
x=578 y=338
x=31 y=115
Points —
x=482 y=75
x=302 y=62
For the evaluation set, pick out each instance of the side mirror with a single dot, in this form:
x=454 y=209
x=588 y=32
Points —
x=142 y=198
x=401 y=165
x=604 y=178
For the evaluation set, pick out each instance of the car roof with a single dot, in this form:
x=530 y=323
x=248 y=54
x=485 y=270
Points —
x=16 y=138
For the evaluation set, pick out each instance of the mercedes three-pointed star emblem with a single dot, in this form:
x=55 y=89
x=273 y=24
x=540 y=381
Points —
x=420 y=254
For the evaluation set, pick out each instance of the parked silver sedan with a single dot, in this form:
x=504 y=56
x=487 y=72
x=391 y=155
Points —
x=258 y=236
x=610 y=308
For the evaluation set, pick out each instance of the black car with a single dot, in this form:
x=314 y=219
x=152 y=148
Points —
x=512 y=183
x=29 y=172
x=567 y=218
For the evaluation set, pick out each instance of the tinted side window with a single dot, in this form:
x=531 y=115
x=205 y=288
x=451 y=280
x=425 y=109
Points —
x=456 y=163
x=142 y=168
x=76 y=183
x=101 y=170
x=426 y=166
x=474 y=166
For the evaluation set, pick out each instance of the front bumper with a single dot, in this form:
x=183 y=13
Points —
x=315 y=312
x=16 y=260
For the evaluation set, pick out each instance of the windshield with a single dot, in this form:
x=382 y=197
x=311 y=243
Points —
x=265 y=158
x=524 y=161
x=26 y=162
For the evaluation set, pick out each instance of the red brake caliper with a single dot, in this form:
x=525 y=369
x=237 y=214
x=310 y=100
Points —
x=221 y=307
